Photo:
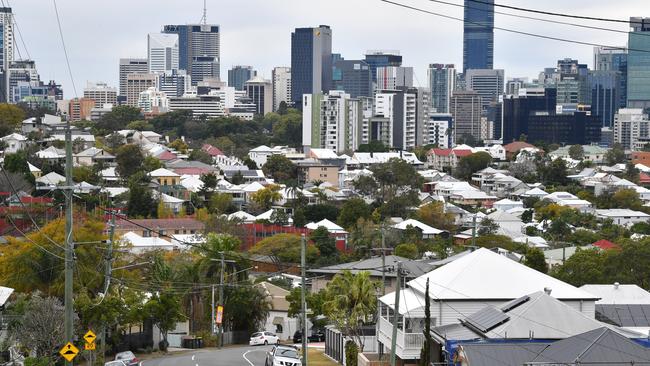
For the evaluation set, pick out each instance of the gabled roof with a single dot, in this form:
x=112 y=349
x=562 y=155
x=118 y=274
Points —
x=618 y=294
x=330 y=226
x=535 y=192
x=166 y=156
x=605 y=244
x=601 y=346
x=5 y=292
x=162 y=172
x=51 y=178
x=426 y=229
x=241 y=215
x=462 y=153
x=516 y=146
x=484 y=274
x=504 y=354
x=211 y=150
x=14 y=136
x=373 y=265
x=323 y=154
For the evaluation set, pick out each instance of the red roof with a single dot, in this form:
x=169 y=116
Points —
x=166 y=155
x=440 y=152
x=605 y=244
x=211 y=150
x=35 y=200
x=644 y=178
x=516 y=146
x=462 y=153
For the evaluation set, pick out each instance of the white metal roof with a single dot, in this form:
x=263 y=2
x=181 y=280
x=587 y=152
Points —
x=5 y=292
x=484 y=274
x=426 y=229
x=618 y=294
x=330 y=226
x=162 y=172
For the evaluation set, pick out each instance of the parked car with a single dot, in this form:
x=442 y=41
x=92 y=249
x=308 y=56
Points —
x=128 y=357
x=317 y=336
x=263 y=338
x=283 y=356
x=115 y=363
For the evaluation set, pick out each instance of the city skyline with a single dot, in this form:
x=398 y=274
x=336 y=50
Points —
x=94 y=53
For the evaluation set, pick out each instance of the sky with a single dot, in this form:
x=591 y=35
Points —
x=258 y=32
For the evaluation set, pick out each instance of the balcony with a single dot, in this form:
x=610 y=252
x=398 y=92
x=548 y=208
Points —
x=408 y=345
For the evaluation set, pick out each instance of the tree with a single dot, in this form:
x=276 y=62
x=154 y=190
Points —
x=246 y=308
x=631 y=172
x=140 y=199
x=118 y=118
x=425 y=354
x=220 y=203
x=433 y=214
x=396 y=175
x=409 y=251
x=468 y=165
x=585 y=266
x=627 y=198
x=179 y=145
x=282 y=108
x=326 y=245
x=10 y=118
x=373 y=147
x=139 y=126
x=366 y=185
x=202 y=156
x=488 y=227
x=615 y=155
x=280 y=168
x=352 y=210
x=352 y=302
x=535 y=259
x=284 y=248
x=129 y=159
x=317 y=212
x=266 y=197
x=527 y=216
x=41 y=328
x=172 y=121
x=576 y=152
x=553 y=173
x=151 y=163
x=237 y=178
x=164 y=309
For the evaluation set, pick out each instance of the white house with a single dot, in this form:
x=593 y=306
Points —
x=278 y=320
x=428 y=232
x=507 y=204
x=140 y=244
x=15 y=142
x=623 y=217
x=461 y=288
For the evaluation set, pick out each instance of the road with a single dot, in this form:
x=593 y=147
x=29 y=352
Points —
x=231 y=356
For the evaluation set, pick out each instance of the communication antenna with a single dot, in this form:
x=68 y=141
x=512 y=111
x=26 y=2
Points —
x=204 y=20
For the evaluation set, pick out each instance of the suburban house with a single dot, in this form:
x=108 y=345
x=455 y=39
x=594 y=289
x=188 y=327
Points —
x=161 y=227
x=91 y=156
x=428 y=232
x=15 y=142
x=278 y=320
x=165 y=177
x=624 y=217
x=463 y=287
x=445 y=159
x=310 y=171
x=626 y=306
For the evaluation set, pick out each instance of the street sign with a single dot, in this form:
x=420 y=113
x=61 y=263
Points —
x=69 y=351
x=90 y=337
x=89 y=346
x=219 y=318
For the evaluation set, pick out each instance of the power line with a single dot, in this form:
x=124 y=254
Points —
x=20 y=34
x=512 y=30
x=535 y=18
x=65 y=50
x=550 y=13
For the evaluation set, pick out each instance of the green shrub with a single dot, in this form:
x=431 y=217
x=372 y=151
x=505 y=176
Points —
x=351 y=353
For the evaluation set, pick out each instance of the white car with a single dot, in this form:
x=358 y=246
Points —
x=283 y=356
x=263 y=338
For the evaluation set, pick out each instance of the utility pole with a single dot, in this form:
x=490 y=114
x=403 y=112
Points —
x=383 y=261
x=393 y=342
x=213 y=322
x=223 y=264
x=69 y=245
x=474 y=231
x=107 y=275
x=303 y=250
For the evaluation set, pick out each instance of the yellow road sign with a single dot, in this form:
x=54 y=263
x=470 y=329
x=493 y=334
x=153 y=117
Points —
x=90 y=336
x=69 y=351
x=89 y=346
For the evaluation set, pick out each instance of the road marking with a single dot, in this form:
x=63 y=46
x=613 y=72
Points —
x=193 y=357
x=247 y=360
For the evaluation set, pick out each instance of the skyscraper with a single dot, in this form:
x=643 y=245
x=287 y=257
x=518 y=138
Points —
x=442 y=82
x=488 y=84
x=478 y=35
x=393 y=77
x=281 y=86
x=6 y=50
x=517 y=110
x=101 y=93
x=605 y=89
x=638 y=64
x=240 y=74
x=136 y=84
x=131 y=66
x=376 y=59
x=21 y=71
x=174 y=83
x=352 y=76
x=613 y=59
x=466 y=110
x=162 y=52
x=311 y=62
x=199 y=50
x=260 y=91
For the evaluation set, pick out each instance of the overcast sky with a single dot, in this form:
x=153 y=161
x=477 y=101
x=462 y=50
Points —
x=258 y=32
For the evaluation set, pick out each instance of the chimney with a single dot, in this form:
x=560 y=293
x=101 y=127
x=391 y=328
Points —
x=616 y=284
x=547 y=290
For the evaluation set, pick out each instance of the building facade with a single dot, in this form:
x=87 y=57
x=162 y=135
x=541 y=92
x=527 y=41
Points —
x=440 y=129
x=311 y=62
x=466 y=110
x=260 y=92
x=162 y=52
x=442 y=83
x=131 y=66
x=6 y=50
x=638 y=64
x=101 y=93
x=605 y=94
x=478 y=35
x=21 y=71
x=352 y=76
x=201 y=105
x=631 y=128
x=199 y=50
x=332 y=121
x=136 y=84
x=281 y=86
x=240 y=74
x=488 y=84
x=395 y=119
x=376 y=59
x=576 y=128
x=613 y=59
x=79 y=109
x=174 y=83
x=393 y=77
x=518 y=108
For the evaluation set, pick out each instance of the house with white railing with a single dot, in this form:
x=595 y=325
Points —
x=461 y=288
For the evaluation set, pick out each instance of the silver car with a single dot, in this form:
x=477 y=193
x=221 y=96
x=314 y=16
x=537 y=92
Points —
x=283 y=356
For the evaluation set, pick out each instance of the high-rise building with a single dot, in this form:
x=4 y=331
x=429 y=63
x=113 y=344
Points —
x=260 y=92
x=570 y=80
x=631 y=128
x=393 y=77
x=487 y=83
x=101 y=93
x=174 y=83
x=240 y=74
x=79 y=109
x=311 y=62
x=466 y=109
x=478 y=35
x=153 y=101
x=201 y=105
x=395 y=120
x=440 y=130
x=21 y=71
x=518 y=108
x=131 y=66
x=573 y=128
x=352 y=76
x=332 y=121
x=162 y=52
x=442 y=83
x=376 y=59
x=605 y=89
x=638 y=64
x=136 y=84
x=6 y=50
x=613 y=59
x=199 y=50
x=281 y=86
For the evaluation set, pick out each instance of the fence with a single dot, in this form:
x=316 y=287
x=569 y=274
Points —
x=235 y=338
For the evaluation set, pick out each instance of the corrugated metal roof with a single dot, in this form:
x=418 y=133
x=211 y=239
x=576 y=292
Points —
x=624 y=315
x=490 y=354
x=487 y=318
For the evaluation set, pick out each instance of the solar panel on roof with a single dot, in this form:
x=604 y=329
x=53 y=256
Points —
x=515 y=303
x=487 y=319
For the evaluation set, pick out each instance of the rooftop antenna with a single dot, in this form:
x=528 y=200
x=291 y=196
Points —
x=204 y=20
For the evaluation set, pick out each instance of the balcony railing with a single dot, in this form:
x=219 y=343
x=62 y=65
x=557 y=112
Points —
x=407 y=342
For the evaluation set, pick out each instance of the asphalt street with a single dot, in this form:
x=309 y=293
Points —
x=231 y=356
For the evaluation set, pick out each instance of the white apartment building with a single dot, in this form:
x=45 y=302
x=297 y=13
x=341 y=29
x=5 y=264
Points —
x=281 y=86
x=439 y=130
x=332 y=121
x=208 y=105
x=152 y=100
x=101 y=93
x=395 y=118
x=162 y=52
x=630 y=126
x=392 y=77
x=136 y=84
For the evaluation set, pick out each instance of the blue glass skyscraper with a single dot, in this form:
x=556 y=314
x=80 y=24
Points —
x=638 y=64
x=199 y=49
x=311 y=62
x=478 y=35
x=376 y=59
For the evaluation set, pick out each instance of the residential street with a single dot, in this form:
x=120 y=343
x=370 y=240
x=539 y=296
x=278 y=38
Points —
x=232 y=356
